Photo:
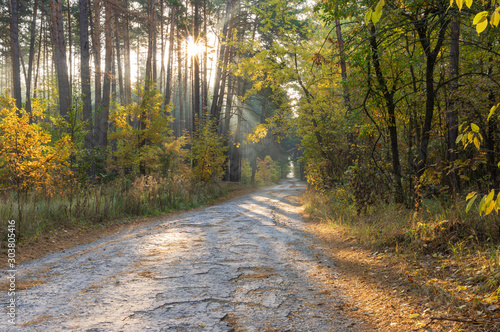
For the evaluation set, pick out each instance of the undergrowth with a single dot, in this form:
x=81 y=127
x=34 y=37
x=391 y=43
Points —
x=80 y=205
x=449 y=254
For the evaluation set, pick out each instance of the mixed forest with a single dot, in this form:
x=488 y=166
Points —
x=112 y=108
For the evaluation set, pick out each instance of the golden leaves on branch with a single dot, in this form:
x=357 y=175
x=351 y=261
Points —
x=29 y=159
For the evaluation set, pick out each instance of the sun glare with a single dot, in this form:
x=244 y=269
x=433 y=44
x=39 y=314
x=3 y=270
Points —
x=192 y=47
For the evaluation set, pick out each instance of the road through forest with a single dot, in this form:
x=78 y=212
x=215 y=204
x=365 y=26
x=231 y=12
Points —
x=243 y=265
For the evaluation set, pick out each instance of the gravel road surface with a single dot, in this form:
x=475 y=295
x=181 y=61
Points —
x=243 y=265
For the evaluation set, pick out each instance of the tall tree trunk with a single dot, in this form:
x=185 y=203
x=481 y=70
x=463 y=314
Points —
x=181 y=87
x=227 y=122
x=162 y=48
x=95 y=26
x=126 y=55
x=153 y=44
x=35 y=86
x=70 y=46
x=16 y=52
x=30 y=60
x=235 y=164
x=60 y=57
x=168 y=84
x=452 y=107
x=85 y=72
x=196 y=65
x=204 y=90
x=119 y=60
x=185 y=90
x=219 y=87
x=102 y=116
x=113 y=73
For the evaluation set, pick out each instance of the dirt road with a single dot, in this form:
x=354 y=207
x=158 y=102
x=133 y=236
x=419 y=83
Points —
x=244 y=265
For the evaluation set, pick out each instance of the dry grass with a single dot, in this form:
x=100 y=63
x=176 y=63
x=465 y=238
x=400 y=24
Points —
x=440 y=262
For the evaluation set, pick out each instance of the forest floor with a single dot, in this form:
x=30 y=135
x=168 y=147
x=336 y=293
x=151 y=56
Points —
x=247 y=263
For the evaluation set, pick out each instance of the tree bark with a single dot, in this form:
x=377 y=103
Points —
x=119 y=61
x=196 y=64
x=85 y=72
x=60 y=57
x=219 y=86
x=15 y=52
x=30 y=60
x=168 y=83
x=95 y=26
x=126 y=55
x=181 y=86
x=38 y=57
x=70 y=45
x=102 y=116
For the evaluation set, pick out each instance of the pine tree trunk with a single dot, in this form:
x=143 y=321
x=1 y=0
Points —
x=168 y=84
x=30 y=60
x=196 y=65
x=119 y=61
x=102 y=116
x=219 y=76
x=35 y=84
x=182 y=124
x=15 y=52
x=85 y=72
x=60 y=57
x=70 y=45
x=162 y=48
x=126 y=55
x=95 y=27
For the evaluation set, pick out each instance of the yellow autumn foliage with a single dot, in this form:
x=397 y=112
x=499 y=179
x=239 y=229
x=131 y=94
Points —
x=29 y=160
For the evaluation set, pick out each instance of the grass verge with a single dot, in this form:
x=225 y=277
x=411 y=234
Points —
x=448 y=259
x=81 y=214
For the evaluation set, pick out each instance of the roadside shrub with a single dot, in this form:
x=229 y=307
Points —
x=246 y=171
x=268 y=171
x=207 y=154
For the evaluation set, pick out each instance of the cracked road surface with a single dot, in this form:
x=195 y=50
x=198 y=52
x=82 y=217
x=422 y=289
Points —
x=243 y=265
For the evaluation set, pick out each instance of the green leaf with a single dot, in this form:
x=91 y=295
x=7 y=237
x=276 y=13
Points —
x=496 y=18
x=476 y=143
x=490 y=196
x=469 y=205
x=376 y=16
x=481 y=26
x=468 y=3
x=480 y=17
x=368 y=16
x=490 y=208
x=459 y=138
x=481 y=205
x=474 y=127
x=380 y=5
x=493 y=109
x=470 y=195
